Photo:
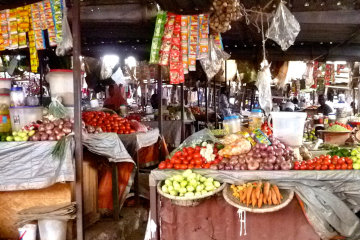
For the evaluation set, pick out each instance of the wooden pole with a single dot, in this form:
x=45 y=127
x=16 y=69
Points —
x=215 y=107
x=206 y=103
x=182 y=113
x=160 y=117
x=77 y=120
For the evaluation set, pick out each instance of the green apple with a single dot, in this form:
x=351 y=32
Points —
x=189 y=194
x=203 y=192
x=25 y=138
x=18 y=139
x=164 y=189
x=173 y=193
x=197 y=194
x=14 y=133
x=199 y=188
x=356 y=166
x=209 y=188
x=168 y=182
x=9 y=138
x=170 y=188
x=193 y=183
x=176 y=186
x=190 y=188
x=178 y=178
x=182 y=190
x=183 y=183
x=216 y=184
x=187 y=172
x=31 y=133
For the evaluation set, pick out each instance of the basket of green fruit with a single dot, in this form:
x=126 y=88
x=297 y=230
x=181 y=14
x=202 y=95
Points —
x=188 y=189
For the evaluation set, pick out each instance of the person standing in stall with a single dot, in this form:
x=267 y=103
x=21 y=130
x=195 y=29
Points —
x=224 y=104
x=115 y=98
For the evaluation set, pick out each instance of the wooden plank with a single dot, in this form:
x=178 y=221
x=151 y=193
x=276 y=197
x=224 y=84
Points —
x=115 y=191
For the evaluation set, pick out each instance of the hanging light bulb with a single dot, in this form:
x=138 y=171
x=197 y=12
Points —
x=306 y=4
x=338 y=3
x=322 y=4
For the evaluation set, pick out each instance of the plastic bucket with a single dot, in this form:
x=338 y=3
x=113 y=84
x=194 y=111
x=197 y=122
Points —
x=52 y=229
x=21 y=116
x=61 y=85
x=288 y=127
x=28 y=232
x=5 y=85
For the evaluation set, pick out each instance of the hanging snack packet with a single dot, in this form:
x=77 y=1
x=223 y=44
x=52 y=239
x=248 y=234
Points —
x=176 y=67
x=203 y=47
x=166 y=40
x=193 y=41
x=156 y=41
x=185 y=42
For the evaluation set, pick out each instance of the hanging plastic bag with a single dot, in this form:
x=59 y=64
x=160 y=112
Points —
x=66 y=43
x=284 y=27
x=263 y=85
x=213 y=63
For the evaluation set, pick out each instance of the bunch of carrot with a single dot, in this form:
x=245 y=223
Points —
x=257 y=194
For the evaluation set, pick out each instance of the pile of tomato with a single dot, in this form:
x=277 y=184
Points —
x=108 y=122
x=347 y=126
x=189 y=158
x=325 y=162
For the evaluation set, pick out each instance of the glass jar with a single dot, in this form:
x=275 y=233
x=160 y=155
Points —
x=17 y=97
x=255 y=119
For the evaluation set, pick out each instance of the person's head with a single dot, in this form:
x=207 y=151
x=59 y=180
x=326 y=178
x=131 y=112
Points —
x=321 y=100
x=295 y=101
x=223 y=90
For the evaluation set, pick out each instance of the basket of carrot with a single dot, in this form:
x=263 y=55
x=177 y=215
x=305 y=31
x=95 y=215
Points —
x=258 y=197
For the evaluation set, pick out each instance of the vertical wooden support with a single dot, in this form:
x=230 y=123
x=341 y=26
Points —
x=215 y=107
x=77 y=119
x=153 y=207
x=160 y=117
x=182 y=112
x=206 y=104
x=115 y=191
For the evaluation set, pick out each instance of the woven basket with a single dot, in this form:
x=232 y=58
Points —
x=287 y=194
x=188 y=201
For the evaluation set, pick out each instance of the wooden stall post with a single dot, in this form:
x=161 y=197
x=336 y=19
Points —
x=206 y=103
x=153 y=206
x=115 y=191
x=215 y=108
x=182 y=113
x=77 y=119
x=160 y=117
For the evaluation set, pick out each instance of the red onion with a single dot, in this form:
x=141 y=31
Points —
x=56 y=122
x=281 y=145
x=243 y=167
x=268 y=166
x=276 y=167
x=52 y=137
x=57 y=130
x=261 y=166
x=41 y=128
x=66 y=130
x=44 y=137
x=272 y=160
x=285 y=165
x=270 y=149
x=46 y=121
x=237 y=167
x=49 y=131
x=253 y=165
x=214 y=167
x=264 y=154
x=242 y=161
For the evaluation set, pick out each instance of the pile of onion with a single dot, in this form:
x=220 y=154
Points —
x=53 y=130
x=278 y=156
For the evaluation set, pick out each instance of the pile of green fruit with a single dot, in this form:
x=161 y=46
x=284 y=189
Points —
x=310 y=136
x=189 y=184
x=355 y=156
x=20 y=136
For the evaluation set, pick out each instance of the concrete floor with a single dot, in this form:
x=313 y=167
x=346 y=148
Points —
x=131 y=226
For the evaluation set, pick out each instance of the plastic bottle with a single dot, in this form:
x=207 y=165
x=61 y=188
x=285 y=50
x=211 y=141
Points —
x=255 y=119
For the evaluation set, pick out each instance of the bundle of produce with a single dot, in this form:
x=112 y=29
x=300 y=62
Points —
x=339 y=127
x=325 y=162
x=224 y=12
x=106 y=122
x=189 y=184
x=19 y=136
x=266 y=129
x=276 y=156
x=310 y=136
x=203 y=155
x=340 y=152
x=257 y=194
x=235 y=144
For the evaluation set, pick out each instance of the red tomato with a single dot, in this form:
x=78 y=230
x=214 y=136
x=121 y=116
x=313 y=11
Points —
x=344 y=166
x=196 y=155
x=319 y=161
x=297 y=167
x=189 y=157
x=198 y=166
x=349 y=161
x=177 y=154
x=297 y=163
x=191 y=150
x=183 y=166
x=311 y=166
x=338 y=166
x=309 y=161
x=207 y=165
x=177 y=161
x=331 y=167
x=197 y=149
x=318 y=167
x=334 y=161
x=327 y=161
x=220 y=158
x=350 y=167
x=192 y=162
x=185 y=161
x=162 y=165
x=184 y=154
x=341 y=160
x=177 y=166
x=182 y=158
x=303 y=167
x=169 y=165
x=190 y=166
x=198 y=161
x=324 y=167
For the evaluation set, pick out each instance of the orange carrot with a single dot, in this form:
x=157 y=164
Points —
x=253 y=198
x=269 y=199
x=265 y=201
x=260 y=202
x=258 y=190
x=277 y=191
x=243 y=195
x=266 y=190
x=248 y=194
x=273 y=197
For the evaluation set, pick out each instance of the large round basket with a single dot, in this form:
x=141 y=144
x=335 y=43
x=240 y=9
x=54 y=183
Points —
x=188 y=201
x=287 y=194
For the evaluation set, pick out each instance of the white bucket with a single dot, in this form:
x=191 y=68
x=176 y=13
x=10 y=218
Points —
x=52 y=229
x=28 y=232
x=61 y=85
x=21 y=116
x=5 y=85
x=288 y=127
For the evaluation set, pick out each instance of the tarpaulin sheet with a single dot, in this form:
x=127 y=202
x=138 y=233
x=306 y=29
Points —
x=171 y=131
x=330 y=197
x=30 y=165
x=133 y=142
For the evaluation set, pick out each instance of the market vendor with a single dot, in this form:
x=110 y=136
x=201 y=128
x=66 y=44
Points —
x=224 y=104
x=115 y=98
x=324 y=108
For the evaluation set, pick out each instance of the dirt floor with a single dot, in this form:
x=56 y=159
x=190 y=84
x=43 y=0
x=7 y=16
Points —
x=131 y=226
